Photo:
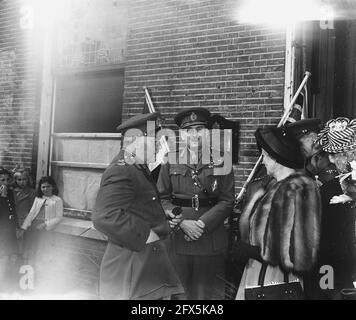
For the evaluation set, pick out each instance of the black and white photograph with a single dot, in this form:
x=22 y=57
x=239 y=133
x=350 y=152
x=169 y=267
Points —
x=191 y=151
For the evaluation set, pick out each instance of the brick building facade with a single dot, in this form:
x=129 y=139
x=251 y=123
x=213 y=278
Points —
x=19 y=76
x=64 y=90
x=195 y=53
x=188 y=53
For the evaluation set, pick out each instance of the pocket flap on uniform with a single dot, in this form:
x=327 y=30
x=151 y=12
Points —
x=209 y=172
x=178 y=170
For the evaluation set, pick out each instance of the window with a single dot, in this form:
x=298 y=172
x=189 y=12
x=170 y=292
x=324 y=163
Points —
x=89 y=102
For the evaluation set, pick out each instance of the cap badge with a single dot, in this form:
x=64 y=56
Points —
x=193 y=116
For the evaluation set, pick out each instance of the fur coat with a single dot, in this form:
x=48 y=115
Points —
x=284 y=223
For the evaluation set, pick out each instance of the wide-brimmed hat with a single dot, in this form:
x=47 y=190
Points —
x=303 y=127
x=338 y=135
x=280 y=146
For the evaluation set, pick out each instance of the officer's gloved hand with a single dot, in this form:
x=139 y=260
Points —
x=243 y=251
x=175 y=217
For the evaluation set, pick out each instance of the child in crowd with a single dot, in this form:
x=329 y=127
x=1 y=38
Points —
x=45 y=214
x=24 y=197
x=8 y=226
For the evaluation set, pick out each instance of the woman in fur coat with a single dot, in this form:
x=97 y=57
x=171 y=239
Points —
x=280 y=226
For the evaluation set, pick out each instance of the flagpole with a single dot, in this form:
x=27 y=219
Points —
x=289 y=110
x=281 y=123
x=149 y=102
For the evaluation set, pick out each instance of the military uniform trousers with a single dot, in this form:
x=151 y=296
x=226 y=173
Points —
x=142 y=275
x=201 y=276
x=200 y=264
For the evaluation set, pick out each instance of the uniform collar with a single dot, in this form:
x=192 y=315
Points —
x=184 y=155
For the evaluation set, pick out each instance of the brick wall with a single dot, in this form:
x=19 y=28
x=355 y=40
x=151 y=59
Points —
x=187 y=52
x=18 y=89
x=194 y=53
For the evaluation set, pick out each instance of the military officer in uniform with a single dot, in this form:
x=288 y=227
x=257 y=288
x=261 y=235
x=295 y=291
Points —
x=206 y=200
x=128 y=211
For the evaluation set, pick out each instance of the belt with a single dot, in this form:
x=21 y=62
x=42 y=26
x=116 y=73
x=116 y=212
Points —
x=195 y=202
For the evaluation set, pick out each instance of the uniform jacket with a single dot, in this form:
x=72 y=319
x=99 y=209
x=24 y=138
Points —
x=175 y=180
x=53 y=207
x=127 y=207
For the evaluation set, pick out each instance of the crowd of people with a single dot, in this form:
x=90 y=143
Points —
x=26 y=216
x=167 y=238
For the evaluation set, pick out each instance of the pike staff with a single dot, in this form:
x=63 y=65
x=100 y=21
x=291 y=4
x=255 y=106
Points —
x=281 y=123
x=149 y=102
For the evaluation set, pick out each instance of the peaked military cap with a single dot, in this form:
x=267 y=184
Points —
x=302 y=127
x=140 y=122
x=191 y=117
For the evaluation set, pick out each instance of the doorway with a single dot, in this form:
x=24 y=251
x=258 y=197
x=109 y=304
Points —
x=330 y=55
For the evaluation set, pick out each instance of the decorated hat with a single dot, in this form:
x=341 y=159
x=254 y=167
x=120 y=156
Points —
x=191 y=117
x=299 y=128
x=140 y=122
x=280 y=146
x=338 y=135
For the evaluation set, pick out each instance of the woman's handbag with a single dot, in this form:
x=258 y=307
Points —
x=283 y=291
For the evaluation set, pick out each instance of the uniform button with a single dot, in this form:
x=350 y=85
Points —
x=154 y=198
x=154 y=249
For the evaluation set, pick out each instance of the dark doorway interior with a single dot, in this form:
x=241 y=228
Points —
x=330 y=54
x=345 y=69
x=89 y=101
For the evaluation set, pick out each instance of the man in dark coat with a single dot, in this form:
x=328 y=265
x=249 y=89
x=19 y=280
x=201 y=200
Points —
x=128 y=211
x=206 y=198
